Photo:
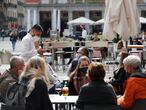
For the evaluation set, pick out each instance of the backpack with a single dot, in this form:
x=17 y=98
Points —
x=15 y=96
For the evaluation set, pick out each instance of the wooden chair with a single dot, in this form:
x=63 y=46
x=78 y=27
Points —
x=96 y=55
x=57 y=50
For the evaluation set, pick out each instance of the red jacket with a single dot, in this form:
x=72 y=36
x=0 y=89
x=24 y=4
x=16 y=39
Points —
x=135 y=89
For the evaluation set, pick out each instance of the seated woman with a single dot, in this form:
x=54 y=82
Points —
x=120 y=48
x=78 y=77
x=37 y=97
x=97 y=92
x=120 y=75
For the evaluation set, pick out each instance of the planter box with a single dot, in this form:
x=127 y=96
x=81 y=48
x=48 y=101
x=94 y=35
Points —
x=5 y=58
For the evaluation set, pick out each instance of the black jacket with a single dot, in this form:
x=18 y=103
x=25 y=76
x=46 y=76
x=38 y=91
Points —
x=39 y=99
x=97 y=93
x=120 y=76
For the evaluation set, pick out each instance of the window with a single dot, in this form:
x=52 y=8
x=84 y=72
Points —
x=44 y=1
x=62 y=1
x=77 y=14
x=78 y=1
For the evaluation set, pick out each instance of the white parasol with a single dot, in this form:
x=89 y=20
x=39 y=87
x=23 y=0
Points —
x=101 y=21
x=121 y=17
x=80 y=20
x=142 y=20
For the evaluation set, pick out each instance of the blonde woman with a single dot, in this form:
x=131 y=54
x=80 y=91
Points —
x=37 y=91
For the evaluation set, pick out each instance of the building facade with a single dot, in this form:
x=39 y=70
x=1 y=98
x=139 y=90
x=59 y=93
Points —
x=12 y=14
x=55 y=14
x=2 y=14
x=21 y=14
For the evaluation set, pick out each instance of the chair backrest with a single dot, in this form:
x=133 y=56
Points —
x=139 y=105
x=96 y=44
x=108 y=107
x=62 y=44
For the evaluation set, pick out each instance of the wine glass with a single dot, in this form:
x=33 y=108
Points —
x=58 y=90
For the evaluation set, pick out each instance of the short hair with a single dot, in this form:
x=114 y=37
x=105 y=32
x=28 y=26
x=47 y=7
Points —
x=132 y=60
x=38 y=27
x=14 y=60
x=96 y=71
x=85 y=51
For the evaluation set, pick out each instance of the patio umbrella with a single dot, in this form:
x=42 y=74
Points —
x=121 y=17
x=80 y=20
x=101 y=21
x=142 y=20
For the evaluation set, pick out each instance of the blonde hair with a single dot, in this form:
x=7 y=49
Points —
x=35 y=63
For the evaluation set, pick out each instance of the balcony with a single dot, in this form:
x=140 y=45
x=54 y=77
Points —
x=2 y=17
x=20 y=2
x=12 y=18
x=21 y=15
x=10 y=5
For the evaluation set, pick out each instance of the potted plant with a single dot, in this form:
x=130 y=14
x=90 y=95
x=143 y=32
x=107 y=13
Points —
x=5 y=56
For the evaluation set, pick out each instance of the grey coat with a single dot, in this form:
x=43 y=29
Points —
x=5 y=79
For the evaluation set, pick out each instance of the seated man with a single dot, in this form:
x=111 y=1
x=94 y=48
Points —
x=10 y=75
x=82 y=51
x=136 y=83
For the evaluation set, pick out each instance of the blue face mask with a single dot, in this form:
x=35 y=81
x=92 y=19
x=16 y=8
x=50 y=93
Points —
x=83 y=70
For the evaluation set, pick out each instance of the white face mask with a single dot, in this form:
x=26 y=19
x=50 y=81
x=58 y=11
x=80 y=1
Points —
x=36 y=38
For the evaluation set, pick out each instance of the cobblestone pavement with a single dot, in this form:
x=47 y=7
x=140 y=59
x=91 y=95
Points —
x=6 y=44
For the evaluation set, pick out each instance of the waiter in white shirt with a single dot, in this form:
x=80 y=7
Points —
x=84 y=33
x=28 y=47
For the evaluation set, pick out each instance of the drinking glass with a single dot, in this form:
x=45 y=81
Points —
x=65 y=91
x=58 y=90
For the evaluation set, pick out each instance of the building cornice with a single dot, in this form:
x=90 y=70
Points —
x=70 y=7
x=99 y=6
